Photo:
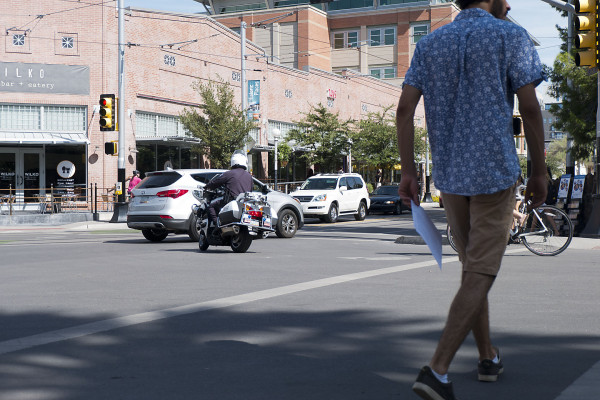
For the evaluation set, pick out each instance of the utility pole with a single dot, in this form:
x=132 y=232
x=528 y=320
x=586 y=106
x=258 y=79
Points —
x=243 y=74
x=120 y=212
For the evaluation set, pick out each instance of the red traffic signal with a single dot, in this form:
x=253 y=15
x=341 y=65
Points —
x=107 y=112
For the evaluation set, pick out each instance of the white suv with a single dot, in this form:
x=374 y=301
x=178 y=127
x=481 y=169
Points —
x=327 y=196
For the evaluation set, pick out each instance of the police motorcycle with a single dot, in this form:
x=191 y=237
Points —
x=239 y=222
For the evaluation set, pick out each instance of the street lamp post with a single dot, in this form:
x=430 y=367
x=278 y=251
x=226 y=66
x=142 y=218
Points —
x=276 y=133
x=350 y=155
x=427 y=198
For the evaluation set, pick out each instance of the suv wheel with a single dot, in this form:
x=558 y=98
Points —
x=155 y=235
x=332 y=215
x=194 y=232
x=287 y=224
x=362 y=212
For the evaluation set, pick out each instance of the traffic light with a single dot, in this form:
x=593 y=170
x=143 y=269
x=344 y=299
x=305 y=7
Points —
x=587 y=35
x=107 y=112
x=111 y=148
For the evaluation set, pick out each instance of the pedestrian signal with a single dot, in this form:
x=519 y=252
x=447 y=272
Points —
x=111 y=148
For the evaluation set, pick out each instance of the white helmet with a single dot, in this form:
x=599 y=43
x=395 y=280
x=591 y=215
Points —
x=239 y=159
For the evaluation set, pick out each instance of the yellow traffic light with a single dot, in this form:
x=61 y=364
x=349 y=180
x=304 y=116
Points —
x=107 y=112
x=587 y=36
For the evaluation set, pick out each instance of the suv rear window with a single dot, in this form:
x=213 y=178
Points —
x=205 y=177
x=354 y=182
x=159 y=179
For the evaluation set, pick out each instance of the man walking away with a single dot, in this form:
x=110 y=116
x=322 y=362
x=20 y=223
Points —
x=468 y=73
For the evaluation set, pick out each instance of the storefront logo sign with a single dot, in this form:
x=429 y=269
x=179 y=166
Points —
x=65 y=169
x=44 y=78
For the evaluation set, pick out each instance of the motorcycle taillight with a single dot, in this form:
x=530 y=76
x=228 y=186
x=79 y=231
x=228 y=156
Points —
x=255 y=214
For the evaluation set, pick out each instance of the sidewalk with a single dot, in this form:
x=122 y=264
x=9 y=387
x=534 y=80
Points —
x=102 y=224
x=438 y=216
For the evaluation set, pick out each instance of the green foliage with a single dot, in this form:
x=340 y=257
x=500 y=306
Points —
x=284 y=152
x=523 y=165
x=577 y=115
x=375 y=143
x=421 y=144
x=370 y=187
x=221 y=126
x=556 y=156
x=324 y=137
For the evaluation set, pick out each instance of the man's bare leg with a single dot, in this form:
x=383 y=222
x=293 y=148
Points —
x=468 y=308
x=481 y=333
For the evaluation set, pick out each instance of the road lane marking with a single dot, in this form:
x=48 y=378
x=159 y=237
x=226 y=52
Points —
x=13 y=345
x=10 y=346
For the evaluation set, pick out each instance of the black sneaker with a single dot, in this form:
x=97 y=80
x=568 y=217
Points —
x=488 y=370
x=430 y=388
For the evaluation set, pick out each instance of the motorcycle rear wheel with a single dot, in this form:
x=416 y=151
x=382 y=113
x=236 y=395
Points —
x=241 y=242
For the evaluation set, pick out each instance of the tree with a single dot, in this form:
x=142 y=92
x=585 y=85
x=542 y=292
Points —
x=577 y=113
x=221 y=126
x=375 y=143
x=324 y=137
x=556 y=156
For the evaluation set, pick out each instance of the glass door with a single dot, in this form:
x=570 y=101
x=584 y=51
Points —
x=22 y=175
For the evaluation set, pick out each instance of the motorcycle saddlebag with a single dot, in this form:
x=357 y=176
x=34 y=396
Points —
x=230 y=213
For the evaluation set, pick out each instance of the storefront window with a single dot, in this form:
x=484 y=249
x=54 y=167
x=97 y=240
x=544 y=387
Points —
x=66 y=168
x=155 y=157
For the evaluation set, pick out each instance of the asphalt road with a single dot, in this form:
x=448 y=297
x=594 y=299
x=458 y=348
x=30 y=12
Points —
x=339 y=312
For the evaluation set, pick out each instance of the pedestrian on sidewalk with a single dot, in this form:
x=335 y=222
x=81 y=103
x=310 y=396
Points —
x=134 y=180
x=468 y=73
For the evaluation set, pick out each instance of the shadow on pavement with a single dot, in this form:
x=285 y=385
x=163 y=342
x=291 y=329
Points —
x=229 y=355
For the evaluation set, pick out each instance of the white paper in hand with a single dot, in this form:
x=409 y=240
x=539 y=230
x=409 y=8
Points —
x=425 y=227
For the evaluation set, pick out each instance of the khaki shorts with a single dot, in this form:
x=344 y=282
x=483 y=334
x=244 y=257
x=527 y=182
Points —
x=480 y=228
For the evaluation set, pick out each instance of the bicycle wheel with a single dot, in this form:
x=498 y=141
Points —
x=450 y=239
x=547 y=232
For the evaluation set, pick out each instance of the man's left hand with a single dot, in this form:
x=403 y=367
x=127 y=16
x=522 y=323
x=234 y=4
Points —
x=537 y=190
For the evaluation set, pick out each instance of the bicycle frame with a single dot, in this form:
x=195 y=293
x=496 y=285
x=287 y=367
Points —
x=536 y=233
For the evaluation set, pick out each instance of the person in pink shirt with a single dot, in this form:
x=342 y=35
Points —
x=133 y=182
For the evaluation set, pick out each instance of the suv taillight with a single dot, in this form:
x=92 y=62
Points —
x=173 y=193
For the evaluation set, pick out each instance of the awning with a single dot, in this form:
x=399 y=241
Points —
x=43 y=138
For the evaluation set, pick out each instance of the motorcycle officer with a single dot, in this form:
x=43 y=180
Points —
x=237 y=180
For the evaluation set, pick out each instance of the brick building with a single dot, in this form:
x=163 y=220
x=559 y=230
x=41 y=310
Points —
x=58 y=57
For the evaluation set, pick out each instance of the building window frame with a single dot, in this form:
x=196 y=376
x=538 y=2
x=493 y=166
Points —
x=418 y=31
x=384 y=72
x=154 y=125
x=382 y=36
x=347 y=39
x=67 y=42
x=47 y=118
x=18 y=39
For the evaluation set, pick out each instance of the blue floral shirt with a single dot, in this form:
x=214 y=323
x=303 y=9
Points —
x=468 y=72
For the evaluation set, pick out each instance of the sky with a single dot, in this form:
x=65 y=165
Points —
x=537 y=17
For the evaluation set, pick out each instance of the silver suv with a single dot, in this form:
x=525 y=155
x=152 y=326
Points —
x=162 y=203
x=327 y=196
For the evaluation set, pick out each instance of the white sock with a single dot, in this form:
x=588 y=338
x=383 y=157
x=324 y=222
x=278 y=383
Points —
x=496 y=360
x=441 y=378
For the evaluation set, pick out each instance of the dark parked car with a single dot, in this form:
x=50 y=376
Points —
x=386 y=199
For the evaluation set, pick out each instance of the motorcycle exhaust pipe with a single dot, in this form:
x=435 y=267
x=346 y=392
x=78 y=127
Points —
x=230 y=230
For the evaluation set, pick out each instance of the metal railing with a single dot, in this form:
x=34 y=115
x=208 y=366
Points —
x=56 y=200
